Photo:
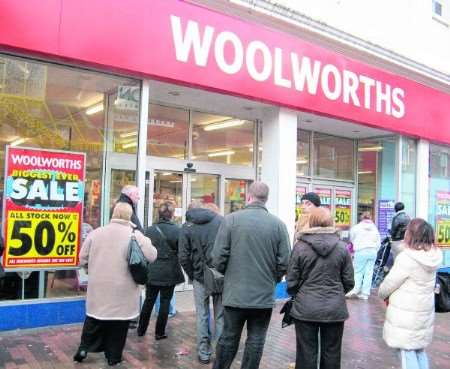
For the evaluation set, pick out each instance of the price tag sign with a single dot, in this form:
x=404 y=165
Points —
x=443 y=219
x=43 y=207
x=343 y=213
x=342 y=217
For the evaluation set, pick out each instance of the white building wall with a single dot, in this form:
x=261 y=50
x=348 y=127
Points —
x=406 y=27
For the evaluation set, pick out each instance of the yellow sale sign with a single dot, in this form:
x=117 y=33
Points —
x=343 y=212
x=43 y=207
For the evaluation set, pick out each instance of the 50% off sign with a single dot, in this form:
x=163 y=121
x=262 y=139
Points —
x=42 y=237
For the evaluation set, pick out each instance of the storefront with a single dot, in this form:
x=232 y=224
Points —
x=190 y=105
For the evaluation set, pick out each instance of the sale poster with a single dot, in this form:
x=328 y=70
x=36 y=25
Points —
x=343 y=209
x=300 y=191
x=325 y=195
x=443 y=219
x=43 y=208
x=386 y=212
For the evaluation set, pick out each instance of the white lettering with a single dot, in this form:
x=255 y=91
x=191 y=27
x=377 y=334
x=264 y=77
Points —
x=328 y=70
x=219 y=52
x=278 y=70
x=190 y=40
x=368 y=84
x=54 y=194
x=383 y=97
x=304 y=73
x=72 y=191
x=350 y=86
x=398 y=109
x=38 y=190
x=19 y=189
x=252 y=49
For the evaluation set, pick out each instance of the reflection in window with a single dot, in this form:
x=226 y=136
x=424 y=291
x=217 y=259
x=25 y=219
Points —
x=222 y=139
x=235 y=195
x=204 y=188
x=303 y=145
x=333 y=157
x=52 y=107
x=168 y=132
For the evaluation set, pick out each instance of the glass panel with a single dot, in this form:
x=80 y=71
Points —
x=333 y=157
x=168 y=187
x=168 y=132
x=376 y=173
x=222 y=139
x=204 y=188
x=235 y=195
x=53 y=107
x=303 y=144
x=408 y=190
x=439 y=205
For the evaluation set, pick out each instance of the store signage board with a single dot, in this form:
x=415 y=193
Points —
x=443 y=219
x=325 y=195
x=343 y=209
x=42 y=208
x=386 y=212
x=184 y=43
x=300 y=191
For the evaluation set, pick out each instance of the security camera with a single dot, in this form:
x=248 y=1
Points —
x=190 y=165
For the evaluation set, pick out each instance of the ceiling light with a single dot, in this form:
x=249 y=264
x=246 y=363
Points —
x=128 y=145
x=302 y=161
x=18 y=142
x=225 y=124
x=175 y=181
x=166 y=174
x=221 y=153
x=300 y=173
x=251 y=149
x=95 y=109
x=370 y=148
x=365 y=172
x=128 y=134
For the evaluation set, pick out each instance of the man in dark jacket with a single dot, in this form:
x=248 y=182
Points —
x=165 y=273
x=399 y=223
x=252 y=250
x=130 y=195
x=196 y=243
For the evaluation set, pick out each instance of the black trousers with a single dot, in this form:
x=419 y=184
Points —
x=307 y=334
x=104 y=335
x=257 y=324
x=151 y=293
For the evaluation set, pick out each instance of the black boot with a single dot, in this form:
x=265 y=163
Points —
x=80 y=356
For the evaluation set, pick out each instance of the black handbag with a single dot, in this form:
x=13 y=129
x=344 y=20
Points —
x=212 y=280
x=286 y=310
x=137 y=263
x=442 y=293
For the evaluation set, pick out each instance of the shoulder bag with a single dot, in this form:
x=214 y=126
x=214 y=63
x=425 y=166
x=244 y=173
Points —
x=137 y=263
x=442 y=293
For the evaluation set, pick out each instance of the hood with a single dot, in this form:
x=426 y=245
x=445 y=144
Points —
x=430 y=260
x=200 y=216
x=367 y=225
x=322 y=240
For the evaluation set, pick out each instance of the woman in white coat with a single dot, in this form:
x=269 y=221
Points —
x=409 y=286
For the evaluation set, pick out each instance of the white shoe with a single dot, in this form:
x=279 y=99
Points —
x=351 y=295
x=363 y=297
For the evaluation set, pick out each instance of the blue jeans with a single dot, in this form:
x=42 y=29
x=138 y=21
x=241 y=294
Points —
x=204 y=336
x=363 y=263
x=414 y=359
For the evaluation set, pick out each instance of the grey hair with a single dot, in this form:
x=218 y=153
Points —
x=122 y=211
x=259 y=191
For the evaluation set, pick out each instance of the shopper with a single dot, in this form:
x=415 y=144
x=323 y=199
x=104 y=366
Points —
x=320 y=274
x=366 y=241
x=252 y=250
x=399 y=223
x=409 y=288
x=112 y=295
x=309 y=201
x=197 y=239
x=130 y=195
x=165 y=273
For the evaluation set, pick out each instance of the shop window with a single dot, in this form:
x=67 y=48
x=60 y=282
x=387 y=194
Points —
x=376 y=174
x=303 y=146
x=168 y=132
x=235 y=195
x=333 y=157
x=439 y=202
x=52 y=107
x=222 y=139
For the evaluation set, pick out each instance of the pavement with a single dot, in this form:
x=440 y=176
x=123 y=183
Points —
x=363 y=347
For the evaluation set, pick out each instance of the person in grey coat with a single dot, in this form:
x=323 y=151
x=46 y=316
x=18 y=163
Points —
x=252 y=251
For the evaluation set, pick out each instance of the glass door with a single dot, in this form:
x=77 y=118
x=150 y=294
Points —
x=203 y=189
x=168 y=186
x=235 y=195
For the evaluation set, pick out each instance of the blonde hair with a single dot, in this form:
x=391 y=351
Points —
x=320 y=217
x=122 y=211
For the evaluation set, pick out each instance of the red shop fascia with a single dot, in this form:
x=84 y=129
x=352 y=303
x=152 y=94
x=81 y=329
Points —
x=183 y=43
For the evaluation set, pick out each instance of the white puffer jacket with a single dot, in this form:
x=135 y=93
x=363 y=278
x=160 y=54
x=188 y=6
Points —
x=365 y=235
x=410 y=289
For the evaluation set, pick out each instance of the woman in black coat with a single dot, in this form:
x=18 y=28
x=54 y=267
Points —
x=165 y=273
x=320 y=273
